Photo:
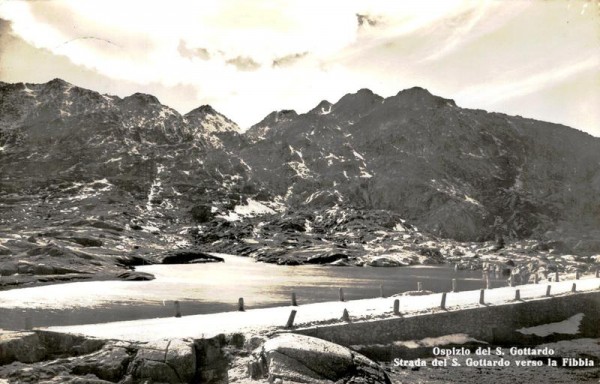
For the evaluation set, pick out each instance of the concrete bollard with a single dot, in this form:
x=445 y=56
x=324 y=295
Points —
x=341 y=294
x=419 y=286
x=511 y=280
x=488 y=284
x=482 y=296
x=381 y=290
x=455 y=267
x=536 y=279
x=576 y=275
x=556 y=277
x=294 y=302
x=597 y=272
x=453 y=285
x=518 y=294
x=397 y=307
x=177 y=308
x=443 y=303
x=548 y=288
x=290 y=322
x=574 y=288
x=345 y=315
x=241 y=304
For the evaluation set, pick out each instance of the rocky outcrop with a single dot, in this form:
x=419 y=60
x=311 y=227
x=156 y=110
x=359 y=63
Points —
x=294 y=358
x=135 y=276
x=110 y=363
x=32 y=347
x=61 y=358
x=171 y=361
x=20 y=346
x=190 y=256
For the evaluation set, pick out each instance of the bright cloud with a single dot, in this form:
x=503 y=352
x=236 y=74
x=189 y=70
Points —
x=247 y=58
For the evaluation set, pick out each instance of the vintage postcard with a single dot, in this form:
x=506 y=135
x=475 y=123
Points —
x=262 y=191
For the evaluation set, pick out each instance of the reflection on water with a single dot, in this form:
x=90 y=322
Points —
x=209 y=288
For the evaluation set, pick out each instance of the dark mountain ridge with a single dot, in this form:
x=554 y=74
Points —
x=453 y=171
x=75 y=164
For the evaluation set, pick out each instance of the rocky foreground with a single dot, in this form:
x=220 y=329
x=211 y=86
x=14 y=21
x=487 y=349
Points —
x=41 y=357
x=44 y=357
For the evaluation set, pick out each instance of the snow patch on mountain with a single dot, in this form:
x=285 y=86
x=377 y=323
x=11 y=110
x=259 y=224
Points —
x=358 y=155
x=364 y=173
x=300 y=168
x=155 y=188
x=252 y=208
x=471 y=200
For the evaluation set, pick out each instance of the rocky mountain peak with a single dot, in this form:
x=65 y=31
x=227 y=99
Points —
x=202 y=111
x=355 y=105
x=208 y=120
x=141 y=99
x=58 y=83
x=362 y=96
x=275 y=118
x=419 y=97
x=323 y=108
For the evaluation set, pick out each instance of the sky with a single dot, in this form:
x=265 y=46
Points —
x=247 y=58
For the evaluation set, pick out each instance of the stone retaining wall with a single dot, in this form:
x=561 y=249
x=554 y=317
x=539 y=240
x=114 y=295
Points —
x=491 y=323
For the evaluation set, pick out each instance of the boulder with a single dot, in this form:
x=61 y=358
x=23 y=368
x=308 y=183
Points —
x=110 y=363
x=4 y=250
x=383 y=261
x=340 y=263
x=86 y=241
x=181 y=356
x=135 y=276
x=171 y=361
x=20 y=346
x=326 y=258
x=295 y=358
x=189 y=256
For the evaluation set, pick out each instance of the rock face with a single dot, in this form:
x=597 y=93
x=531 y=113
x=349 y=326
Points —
x=170 y=362
x=303 y=359
x=88 y=180
x=464 y=174
x=108 y=182
x=62 y=358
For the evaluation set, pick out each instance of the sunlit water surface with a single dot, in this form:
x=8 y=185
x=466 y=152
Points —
x=216 y=287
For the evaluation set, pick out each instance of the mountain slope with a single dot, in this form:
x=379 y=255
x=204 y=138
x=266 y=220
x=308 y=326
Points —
x=117 y=179
x=464 y=174
x=91 y=184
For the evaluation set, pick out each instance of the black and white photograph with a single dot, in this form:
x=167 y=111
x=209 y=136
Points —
x=299 y=191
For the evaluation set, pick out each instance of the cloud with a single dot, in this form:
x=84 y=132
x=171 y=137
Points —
x=491 y=93
x=247 y=58
x=367 y=20
x=191 y=53
x=244 y=63
x=289 y=59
